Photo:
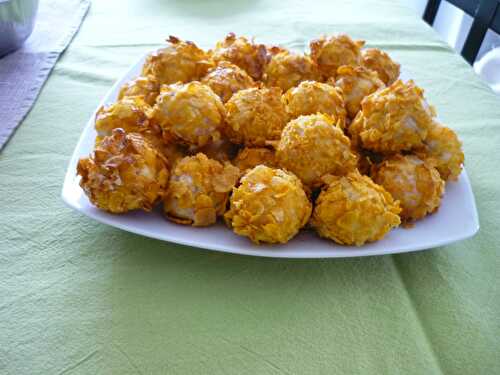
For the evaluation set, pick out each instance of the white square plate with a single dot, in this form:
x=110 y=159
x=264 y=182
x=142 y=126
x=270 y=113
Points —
x=456 y=219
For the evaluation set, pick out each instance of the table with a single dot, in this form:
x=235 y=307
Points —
x=77 y=297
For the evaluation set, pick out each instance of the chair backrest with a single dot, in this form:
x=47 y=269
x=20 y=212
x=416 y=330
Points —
x=485 y=14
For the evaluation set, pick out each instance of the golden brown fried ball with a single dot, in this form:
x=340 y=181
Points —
x=444 y=149
x=312 y=146
x=124 y=173
x=226 y=79
x=311 y=97
x=332 y=52
x=356 y=83
x=199 y=189
x=394 y=119
x=379 y=61
x=146 y=87
x=287 y=70
x=129 y=113
x=414 y=182
x=240 y=51
x=180 y=61
x=255 y=116
x=353 y=210
x=191 y=113
x=250 y=157
x=269 y=206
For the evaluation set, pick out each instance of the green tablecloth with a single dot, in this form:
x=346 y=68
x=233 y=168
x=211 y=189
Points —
x=83 y=298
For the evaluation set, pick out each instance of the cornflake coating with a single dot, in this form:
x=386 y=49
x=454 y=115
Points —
x=255 y=116
x=394 y=119
x=240 y=51
x=286 y=70
x=353 y=210
x=414 y=182
x=269 y=206
x=129 y=114
x=124 y=173
x=226 y=79
x=312 y=146
x=180 y=61
x=221 y=150
x=199 y=189
x=444 y=149
x=191 y=113
x=379 y=61
x=331 y=52
x=250 y=157
x=146 y=87
x=311 y=97
x=356 y=83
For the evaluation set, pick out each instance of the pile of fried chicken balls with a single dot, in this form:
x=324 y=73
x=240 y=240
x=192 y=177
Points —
x=272 y=141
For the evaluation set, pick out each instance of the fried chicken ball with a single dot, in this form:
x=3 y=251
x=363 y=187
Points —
x=124 y=173
x=311 y=97
x=199 y=189
x=128 y=113
x=191 y=113
x=312 y=146
x=353 y=210
x=250 y=157
x=269 y=206
x=240 y=51
x=180 y=61
x=287 y=70
x=414 y=182
x=146 y=87
x=255 y=116
x=379 y=61
x=394 y=119
x=444 y=149
x=356 y=83
x=331 y=52
x=226 y=79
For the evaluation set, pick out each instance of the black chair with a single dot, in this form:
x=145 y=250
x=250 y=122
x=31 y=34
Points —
x=485 y=14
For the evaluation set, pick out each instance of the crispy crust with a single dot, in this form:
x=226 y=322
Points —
x=353 y=210
x=286 y=70
x=124 y=173
x=443 y=148
x=311 y=97
x=414 y=182
x=312 y=146
x=226 y=79
x=356 y=83
x=255 y=116
x=379 y=61
x=148 y=88
x=250 y=157
x=240 y=51
x=331 y=52
x=191 y=113
x=269 y=206
x=394 y=119
x=180 y=61
x=199 y=189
